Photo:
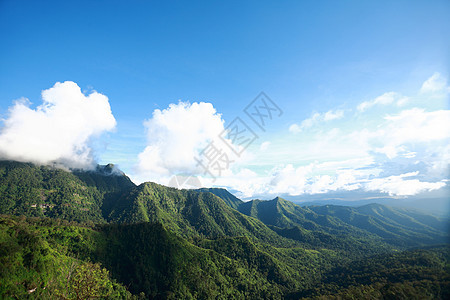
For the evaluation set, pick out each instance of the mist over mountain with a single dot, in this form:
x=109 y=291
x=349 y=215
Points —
x=59 y=130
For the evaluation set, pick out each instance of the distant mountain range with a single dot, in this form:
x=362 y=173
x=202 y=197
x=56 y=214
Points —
x=435 y=202
x=254 y=249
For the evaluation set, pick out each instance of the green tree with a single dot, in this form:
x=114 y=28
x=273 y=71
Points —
x=84 y=281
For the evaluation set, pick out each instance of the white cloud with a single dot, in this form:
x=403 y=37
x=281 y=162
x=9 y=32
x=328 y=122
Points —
x=175 y=136
x=356 y=153
x=438 y=159
x=311 y=121
x=289 y=180
x=295 y=181
x=417 y=125
x=365 y=153
x=246 y=182
x=305 y=179
x=59 y=130
x=294 y=128
x=264 y=146
x=397 y=185
x=409 y=140
x=435 y=83
x=333 y=115
x=317 y=118
x=389 y=150
x=385 y=99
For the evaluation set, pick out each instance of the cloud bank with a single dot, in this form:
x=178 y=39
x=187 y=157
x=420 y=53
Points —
x=59 y=130
x=398 y=147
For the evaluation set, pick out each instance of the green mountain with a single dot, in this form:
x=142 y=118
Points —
x=394 y=225
x=155 y=242
x=42 y=191
x=150 y=259
x=188 y=213
x=342 y=226
x=282 y=213
x=42 y=258
x=225 y=195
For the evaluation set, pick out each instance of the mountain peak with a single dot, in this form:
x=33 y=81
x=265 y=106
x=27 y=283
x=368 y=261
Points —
x=279 y=200
x=109 y=169
x=225 y=195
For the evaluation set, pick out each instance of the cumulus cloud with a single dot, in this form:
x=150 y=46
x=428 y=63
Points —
x=295 y=128
x=385 y=99
x=400 y=143
x=289 y=179
x=365 y=154
x=333 y=115
x=175 y=136
x=436 y=83
x=59 y=130
x=317 y=118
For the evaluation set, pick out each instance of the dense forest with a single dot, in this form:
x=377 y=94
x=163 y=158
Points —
x=95 y=235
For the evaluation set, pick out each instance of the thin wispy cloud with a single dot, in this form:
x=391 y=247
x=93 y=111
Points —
x=385 y=99
x=317 y=118
x=434 y=84
x=264 y=146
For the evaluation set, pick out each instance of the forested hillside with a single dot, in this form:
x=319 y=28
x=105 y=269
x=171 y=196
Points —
x=154 y=242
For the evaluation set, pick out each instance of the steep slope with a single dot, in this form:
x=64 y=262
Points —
x=189 y=213
x=404 y=217
x=42 y=258
x=285 y=214
x=148 y=258
x=396 y=226
x=106 y=194
x=225 y=195
x=31 y=190
x=282 y=213
x=47 y=255
x=415 y=274
x=311 y=229
x=341 y=225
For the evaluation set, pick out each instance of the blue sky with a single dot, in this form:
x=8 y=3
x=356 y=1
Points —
x=317 y=60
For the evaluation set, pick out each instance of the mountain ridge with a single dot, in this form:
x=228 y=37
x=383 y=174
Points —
x=167 y=243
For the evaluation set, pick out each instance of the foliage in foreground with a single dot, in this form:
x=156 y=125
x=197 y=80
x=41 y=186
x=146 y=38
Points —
x=35 y=262
x=44 y=258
